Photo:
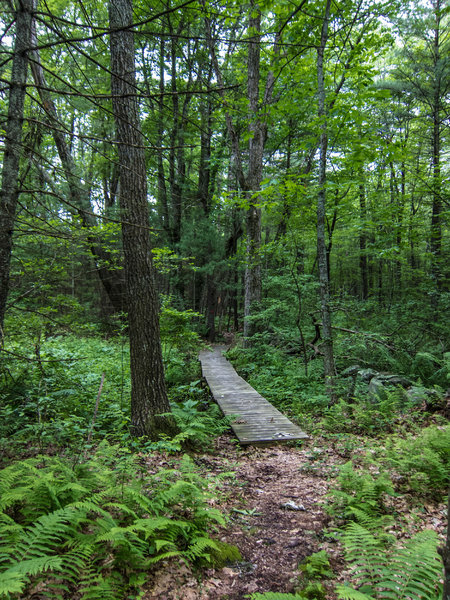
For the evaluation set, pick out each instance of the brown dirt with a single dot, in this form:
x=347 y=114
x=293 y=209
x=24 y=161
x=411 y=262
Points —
x=273 y=540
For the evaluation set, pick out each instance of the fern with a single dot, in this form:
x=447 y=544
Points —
x=407 y=573
x=91 y=530
x=360 y=497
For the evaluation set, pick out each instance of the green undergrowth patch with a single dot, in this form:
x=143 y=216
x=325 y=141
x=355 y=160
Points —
x=95 y=527
x=298 y=391
x=48 y=396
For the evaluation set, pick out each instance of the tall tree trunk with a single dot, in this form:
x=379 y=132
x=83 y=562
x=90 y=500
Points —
x=250 y=183
x=162 y=190
x=328 y=357
x=252 y=277
x=363 y=243
x=436 y=212
x=148 y=390
x=9 y=191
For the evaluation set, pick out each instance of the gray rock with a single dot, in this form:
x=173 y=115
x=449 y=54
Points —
x=368 y=374
x=292 y=506
x=417 y=395
x=351 y=371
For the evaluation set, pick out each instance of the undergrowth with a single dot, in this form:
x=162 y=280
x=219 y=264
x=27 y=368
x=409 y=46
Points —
x=380 y=572
x=48 y=401
x=95 y=527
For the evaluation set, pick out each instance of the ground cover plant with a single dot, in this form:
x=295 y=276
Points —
x=94 y=527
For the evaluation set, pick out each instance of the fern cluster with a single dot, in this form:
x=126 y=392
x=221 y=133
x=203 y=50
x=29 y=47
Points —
x=407 y=573
x=359 y=496
x=93 y=528
x=198 y=425
x=423 y=461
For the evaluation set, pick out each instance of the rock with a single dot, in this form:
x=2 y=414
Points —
x=417 y=395
x=377 y=390
x=380 y=384
x=351 y=371
x=292 y=506
x=368 y=374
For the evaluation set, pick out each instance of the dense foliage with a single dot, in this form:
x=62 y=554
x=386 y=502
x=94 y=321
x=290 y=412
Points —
x=294 y=192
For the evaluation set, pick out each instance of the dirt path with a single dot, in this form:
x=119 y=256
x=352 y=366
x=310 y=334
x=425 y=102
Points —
x=276 y=521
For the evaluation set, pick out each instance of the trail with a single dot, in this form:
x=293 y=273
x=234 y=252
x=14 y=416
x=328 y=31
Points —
x=273 y=539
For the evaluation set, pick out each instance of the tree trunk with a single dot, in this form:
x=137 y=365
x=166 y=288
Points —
x=148 y=390
x=436 y=216
x=328 y=358
x=363 y=243
x=9 y=191
x=257 y=130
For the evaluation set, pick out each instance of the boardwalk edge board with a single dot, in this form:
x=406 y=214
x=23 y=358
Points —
x=256 y=421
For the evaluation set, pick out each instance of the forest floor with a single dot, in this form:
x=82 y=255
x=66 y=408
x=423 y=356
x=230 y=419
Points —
x=272 y=537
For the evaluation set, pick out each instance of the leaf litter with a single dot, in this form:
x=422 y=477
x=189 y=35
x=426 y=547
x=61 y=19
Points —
x=272 y=536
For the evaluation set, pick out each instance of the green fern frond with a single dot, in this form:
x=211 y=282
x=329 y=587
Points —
x=347 y=593
x=94 y=527
x=210 y=515
x=198 y=548
x=96 y=586
x=407 y=573
x=160 y=544
x=14 y=579
x=11 y=582
x=33 y=566
x=164 y=556
x=172 y=527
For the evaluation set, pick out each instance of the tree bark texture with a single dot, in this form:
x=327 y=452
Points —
x=148 y=390
x=9 y=191
x=436 y=212
x=250 y=182
x=363 y=243
x=257 y=130
x=328 y=357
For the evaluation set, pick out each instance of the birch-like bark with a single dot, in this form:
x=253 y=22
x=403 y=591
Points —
x=9 y=191
x=148 y=391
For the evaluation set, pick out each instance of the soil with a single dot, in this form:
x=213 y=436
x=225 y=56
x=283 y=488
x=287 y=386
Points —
x=275 y=503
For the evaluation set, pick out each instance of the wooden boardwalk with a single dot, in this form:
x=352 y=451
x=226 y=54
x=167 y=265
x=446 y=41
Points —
x=256 y=420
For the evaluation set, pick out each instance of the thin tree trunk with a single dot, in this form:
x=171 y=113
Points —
x=436 y=213
x=148 y=391
x=363 y=243
x=328 y=358
x=162 y=190
x=9 y=191
x=252 y=277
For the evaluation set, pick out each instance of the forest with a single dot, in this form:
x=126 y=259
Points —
x=268 y=175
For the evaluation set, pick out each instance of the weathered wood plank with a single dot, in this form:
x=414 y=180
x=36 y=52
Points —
x=256 y=420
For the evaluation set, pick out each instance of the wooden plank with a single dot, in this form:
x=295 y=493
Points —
x=256 y=420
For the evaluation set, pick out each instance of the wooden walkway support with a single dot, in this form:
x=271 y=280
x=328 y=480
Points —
x=256 y=420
